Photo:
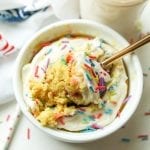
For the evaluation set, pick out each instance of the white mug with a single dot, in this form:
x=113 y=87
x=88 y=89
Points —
x=121 y=15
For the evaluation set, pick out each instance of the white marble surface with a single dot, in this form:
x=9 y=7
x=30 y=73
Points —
x=139 y=124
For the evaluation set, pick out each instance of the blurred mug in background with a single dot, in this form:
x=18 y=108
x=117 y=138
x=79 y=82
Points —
x=121 y=15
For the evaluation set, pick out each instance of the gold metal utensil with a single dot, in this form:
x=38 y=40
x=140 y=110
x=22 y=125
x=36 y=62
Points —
x=126 y=50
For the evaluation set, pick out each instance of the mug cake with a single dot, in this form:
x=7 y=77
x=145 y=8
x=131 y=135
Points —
x=63 y=90
x=65 y=87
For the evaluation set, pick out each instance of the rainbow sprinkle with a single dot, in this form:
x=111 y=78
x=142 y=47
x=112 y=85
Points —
x=61 y=120
x=97 y=116
x=69 y=57
x=123 y=126
x=91 y=118
x=101 y=86
x=102 y=104
x=47 y=64
x=108 y=111
x=126 y=140
x=49 y=51
x=87 y=119
x=88 y=129
x=91 y=89
x=8 y=138
x=28 y=133
x=145 y=74
x=43 y=70
x=87 y=67
x=36 y=71
x=92 y=57
x=8 y=118
x=112 y=89
x=44 y=44
x=113 y=102
x=92 y=64
x=65 y=41
x=147 y=113
x=143 y=137
x=87 y=60
x=63 y=47
x=63 y=61
x=88 y=76
x=96 y=126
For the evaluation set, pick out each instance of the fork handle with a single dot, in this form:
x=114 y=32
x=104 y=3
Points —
x=126 y=50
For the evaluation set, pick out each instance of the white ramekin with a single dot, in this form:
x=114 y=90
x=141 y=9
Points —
x=87 y=28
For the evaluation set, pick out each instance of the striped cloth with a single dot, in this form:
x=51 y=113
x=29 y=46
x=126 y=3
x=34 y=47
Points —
x=18 y=14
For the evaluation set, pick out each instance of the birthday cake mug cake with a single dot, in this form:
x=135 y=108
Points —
x=65 y=86
x=65 y=92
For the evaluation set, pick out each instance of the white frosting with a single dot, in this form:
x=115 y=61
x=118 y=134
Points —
x=50 y=54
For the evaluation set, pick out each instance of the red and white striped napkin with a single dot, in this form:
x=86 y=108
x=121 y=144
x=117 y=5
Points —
x=14 y=35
